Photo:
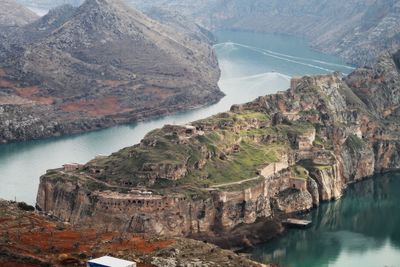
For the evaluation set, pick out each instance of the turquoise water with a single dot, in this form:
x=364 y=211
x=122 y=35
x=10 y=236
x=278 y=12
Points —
x=361 y=229
x=251 y=64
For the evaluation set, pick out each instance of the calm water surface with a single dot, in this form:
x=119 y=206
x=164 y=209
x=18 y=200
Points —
x=251 y=64
x=362 y=229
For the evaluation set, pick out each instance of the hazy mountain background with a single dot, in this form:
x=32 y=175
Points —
x=12 y=14
x=356 y=30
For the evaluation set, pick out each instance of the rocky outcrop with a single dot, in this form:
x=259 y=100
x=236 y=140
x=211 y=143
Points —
x=98 y=65
x=278 y=155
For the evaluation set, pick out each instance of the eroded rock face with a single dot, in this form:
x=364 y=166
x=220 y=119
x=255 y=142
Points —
x=179 y=180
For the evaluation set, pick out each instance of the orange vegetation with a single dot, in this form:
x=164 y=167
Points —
x=115 y=83
x=26 y=93
x=31 y=236
x=95 y=107
x=29 y=93
x=7 y=83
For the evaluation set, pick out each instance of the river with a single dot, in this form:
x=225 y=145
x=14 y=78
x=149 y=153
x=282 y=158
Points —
x=361 y=229
x=251 y=65
x=349 y=232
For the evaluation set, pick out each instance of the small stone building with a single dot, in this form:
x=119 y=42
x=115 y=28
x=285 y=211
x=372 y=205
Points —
x=294 y=82
x=298 y=183
x=70 y=167
x=306 y=140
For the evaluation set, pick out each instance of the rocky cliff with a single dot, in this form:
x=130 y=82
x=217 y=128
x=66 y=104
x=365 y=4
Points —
x=277 y=155
x=356 y=30
x=103 y=63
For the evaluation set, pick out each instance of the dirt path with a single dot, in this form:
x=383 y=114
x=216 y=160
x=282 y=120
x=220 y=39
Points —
x=235 y=183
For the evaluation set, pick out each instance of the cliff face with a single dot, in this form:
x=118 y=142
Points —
x=356 y=30
x=103 y=63
x=279 y=154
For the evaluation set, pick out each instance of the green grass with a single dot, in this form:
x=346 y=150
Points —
x=246 y=115
x=163 y=146
x=238 y=166
x=298 y=171
x=323 y=167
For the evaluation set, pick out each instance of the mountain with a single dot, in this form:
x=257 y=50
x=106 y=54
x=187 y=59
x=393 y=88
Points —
x=181 y=23
x=103 y=63
x=357 y=30
x=14 y=14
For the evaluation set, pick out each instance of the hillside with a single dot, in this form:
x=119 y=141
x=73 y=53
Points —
x=30 y=239
x=356 y=30
x=103 y=63
x=14 y=14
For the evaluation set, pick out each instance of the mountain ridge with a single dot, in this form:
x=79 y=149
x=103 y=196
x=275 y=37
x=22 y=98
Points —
x=101 y=54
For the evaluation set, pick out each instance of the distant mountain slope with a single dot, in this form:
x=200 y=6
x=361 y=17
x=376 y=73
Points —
x=357 y=30
x=103 y=63
x=48 y=4
x=14 y=14
x=181 y=23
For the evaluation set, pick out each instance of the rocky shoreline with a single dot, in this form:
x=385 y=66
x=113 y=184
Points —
x=36 y=128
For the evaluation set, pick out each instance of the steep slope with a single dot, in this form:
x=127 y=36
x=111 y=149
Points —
x=181 y=23
x=14 y=14
x=379 y=86
x=356 y=30
x=103 y=63
x=279 y=154
x=15 y=39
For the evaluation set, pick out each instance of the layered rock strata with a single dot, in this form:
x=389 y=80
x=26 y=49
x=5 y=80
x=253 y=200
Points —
x=280 y=154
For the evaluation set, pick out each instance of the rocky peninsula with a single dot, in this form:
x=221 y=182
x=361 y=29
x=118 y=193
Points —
x=280 y=154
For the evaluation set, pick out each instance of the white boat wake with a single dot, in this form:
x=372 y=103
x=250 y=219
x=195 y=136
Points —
x=285 y=57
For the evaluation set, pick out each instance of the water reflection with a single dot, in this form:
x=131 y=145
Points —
x=361 y=229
